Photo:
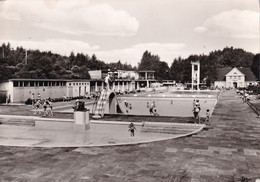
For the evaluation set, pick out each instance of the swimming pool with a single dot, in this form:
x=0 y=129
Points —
x=179 y=104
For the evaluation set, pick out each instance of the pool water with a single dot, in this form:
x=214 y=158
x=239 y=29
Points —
x=167 y=104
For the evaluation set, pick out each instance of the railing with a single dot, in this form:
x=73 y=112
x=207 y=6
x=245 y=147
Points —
x=98 y=107
x=253 y=108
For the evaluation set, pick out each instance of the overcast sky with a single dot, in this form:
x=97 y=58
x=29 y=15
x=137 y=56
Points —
x=123 y=29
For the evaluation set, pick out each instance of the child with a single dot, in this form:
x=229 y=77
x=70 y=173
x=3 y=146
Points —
x=132 y=129
x=207 y=116
x=151 y=109
x=45 y=113
x=196 y=111
x=155 y=113
x=37 y=107
x=49 y=108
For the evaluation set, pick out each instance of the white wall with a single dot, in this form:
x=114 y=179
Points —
x=95 y=74
x=220 y=84
x=21 y=94
x=77 y=88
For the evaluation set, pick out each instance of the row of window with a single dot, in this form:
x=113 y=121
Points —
x=37 y=83
x=78 y=84
x=53 y=83
x=235 y=77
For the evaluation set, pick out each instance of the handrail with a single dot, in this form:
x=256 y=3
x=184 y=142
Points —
x=253 y=108
x=98 y=108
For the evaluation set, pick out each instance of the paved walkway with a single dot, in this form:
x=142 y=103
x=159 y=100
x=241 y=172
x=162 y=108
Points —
x=226 y=152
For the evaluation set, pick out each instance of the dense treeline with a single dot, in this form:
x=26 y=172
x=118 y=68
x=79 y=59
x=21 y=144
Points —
x=22 y=63
x=180 y=69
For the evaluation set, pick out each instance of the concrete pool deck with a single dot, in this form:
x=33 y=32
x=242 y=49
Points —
x=101 y=133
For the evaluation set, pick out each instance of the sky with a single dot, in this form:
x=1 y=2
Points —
x=123 y=30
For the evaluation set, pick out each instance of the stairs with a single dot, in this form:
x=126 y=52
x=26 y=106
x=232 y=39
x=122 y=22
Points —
x=17 y=122
x=99 y=105
x=171 y=128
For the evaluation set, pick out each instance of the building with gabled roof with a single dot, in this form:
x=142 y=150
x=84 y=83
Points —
x=234 y=77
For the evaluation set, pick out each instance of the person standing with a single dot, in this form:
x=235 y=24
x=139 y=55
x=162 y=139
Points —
x=194 y=103
x=39 y=96
x=132 y=129
x=207 y=116
x=196 y=111
x=151 y=109
x=49 y=108
x=107 y=79
x=37 y=107
x=45 y=113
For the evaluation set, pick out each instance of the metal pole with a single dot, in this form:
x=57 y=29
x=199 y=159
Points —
x=259 y=68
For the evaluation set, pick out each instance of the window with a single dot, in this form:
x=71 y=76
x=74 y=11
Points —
x=230 y=77
x=69 y=84
x=195 y=67
x=45 y=83
x=20 y=84
x=40 y=84
x=31 y=84
x=15 y=84
x=26 y=84
x=239 y=77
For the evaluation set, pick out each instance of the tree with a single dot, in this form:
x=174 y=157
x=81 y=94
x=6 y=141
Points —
x=146 y=61
x=162 y=72
x=71 y=60
x=5 y=72
x=176 y=70
x=256 y=66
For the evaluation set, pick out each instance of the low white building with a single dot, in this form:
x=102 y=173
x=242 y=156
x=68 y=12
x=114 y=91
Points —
x=234 y=78
x=19 y=90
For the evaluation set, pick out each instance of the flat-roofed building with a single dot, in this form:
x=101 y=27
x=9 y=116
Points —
x=146 y=77
x=19 y=90
x=122 y=80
